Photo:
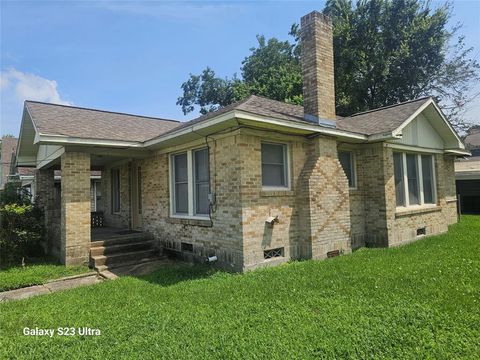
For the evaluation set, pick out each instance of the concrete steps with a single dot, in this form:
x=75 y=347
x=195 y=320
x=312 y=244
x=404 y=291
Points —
x=115 y=250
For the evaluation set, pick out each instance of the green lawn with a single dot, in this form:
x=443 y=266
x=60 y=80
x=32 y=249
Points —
x=417 y=301
x=35 y=274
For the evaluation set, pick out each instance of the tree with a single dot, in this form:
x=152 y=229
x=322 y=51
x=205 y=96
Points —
x=272 y=70
x=386 y=51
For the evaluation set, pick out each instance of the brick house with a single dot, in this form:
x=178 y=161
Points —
x=256 y=183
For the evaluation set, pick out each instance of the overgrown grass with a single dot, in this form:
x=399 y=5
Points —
x=417 y=301
x=35 y=274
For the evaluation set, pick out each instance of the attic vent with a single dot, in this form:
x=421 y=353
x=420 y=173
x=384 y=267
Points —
x=333 y=253
x=421 y=231
x=187 y=247
x=272 y=253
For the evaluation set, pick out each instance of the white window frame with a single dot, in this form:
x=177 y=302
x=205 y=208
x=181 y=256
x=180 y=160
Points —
x=353 y=167
x=286 y=159
x=418 y=163
x=190 y=186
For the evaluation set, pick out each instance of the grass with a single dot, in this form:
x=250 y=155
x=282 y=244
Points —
x=417 y=301
x=35 y=274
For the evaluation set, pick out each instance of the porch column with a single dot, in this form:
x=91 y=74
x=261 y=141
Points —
x=45 y=200
x=75 y=227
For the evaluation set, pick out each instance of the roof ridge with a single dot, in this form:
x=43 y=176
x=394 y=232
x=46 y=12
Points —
x=278 y=101
x=99 y=110
x=389 y=106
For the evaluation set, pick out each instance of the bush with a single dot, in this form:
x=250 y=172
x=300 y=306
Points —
x=21 y=229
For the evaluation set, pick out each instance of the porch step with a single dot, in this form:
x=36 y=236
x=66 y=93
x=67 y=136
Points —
x=110 y=240
x=124 y=257
x=114 y=250
x=120 y=248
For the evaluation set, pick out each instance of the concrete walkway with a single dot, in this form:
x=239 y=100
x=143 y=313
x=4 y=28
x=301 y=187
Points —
x=70 y=282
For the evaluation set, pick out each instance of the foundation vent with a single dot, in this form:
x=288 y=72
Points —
x=421 y=231
x=333 y=253
x=273 y=253
x=187 y=247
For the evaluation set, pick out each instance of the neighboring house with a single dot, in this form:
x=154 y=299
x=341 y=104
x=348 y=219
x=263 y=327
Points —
x=8 y=146
x=467 y=174
x=256 y=183
x=15 y=171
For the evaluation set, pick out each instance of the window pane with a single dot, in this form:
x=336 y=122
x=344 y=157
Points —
x=427 y=172
x=272 y=153
x=201 y=179
x=181 y=198
x=201 y=165
x=180 y=180
x=345 y=159
x=202 y=204
x=274 y=167
x=180 y=162
x=412 y=175
x=273 y=175
x=398 y=171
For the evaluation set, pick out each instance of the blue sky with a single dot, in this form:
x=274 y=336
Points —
x=133 y=56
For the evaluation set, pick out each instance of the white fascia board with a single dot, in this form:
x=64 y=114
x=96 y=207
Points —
x=247 y=116
x=313 y=128
x=413 y=148
x=67 y=140
x=190 y=129
x=458 y=152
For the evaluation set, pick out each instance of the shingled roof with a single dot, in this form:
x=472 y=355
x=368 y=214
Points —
x=371 y=122
x=381 y=120
x=52 y=119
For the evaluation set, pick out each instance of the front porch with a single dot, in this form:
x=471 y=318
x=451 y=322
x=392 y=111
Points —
x=82 y=229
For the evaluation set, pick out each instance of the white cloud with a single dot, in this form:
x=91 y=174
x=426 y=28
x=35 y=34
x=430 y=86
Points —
x=26 y=86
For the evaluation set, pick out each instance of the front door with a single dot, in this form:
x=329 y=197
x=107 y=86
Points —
x=136 y=196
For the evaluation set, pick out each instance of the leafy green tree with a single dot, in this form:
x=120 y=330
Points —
x=386 y=51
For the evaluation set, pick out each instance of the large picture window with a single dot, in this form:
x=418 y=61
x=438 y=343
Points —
x=274 y=165
x=414 y=179
x=347 y=160
x=190 y=183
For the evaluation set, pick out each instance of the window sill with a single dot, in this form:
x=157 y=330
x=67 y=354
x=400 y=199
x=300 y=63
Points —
x=192 y=221
x=276 y=193
x=418 y=209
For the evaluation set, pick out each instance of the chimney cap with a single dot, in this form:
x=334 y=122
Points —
x=312 y=16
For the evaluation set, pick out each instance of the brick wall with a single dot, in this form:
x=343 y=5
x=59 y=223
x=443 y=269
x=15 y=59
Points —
x=75 y=216
x=317 y=66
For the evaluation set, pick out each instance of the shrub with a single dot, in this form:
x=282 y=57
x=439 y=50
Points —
x=21 y=228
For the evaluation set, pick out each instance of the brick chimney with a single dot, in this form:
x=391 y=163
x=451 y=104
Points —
x=317 y=68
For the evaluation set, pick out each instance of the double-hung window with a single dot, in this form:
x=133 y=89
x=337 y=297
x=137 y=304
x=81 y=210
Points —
x=414 y=176
x=189 y=188
x=347 y=160
x=275 y=166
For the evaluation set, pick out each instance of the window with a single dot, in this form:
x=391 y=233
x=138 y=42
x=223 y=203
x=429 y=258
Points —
x=274 y=165
x=190 y=183
x=414 y=179
x=347 y=159
x=200 y=164
x=180 y=183
x=398 y=174
x=115 y=190
x=187 y=247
